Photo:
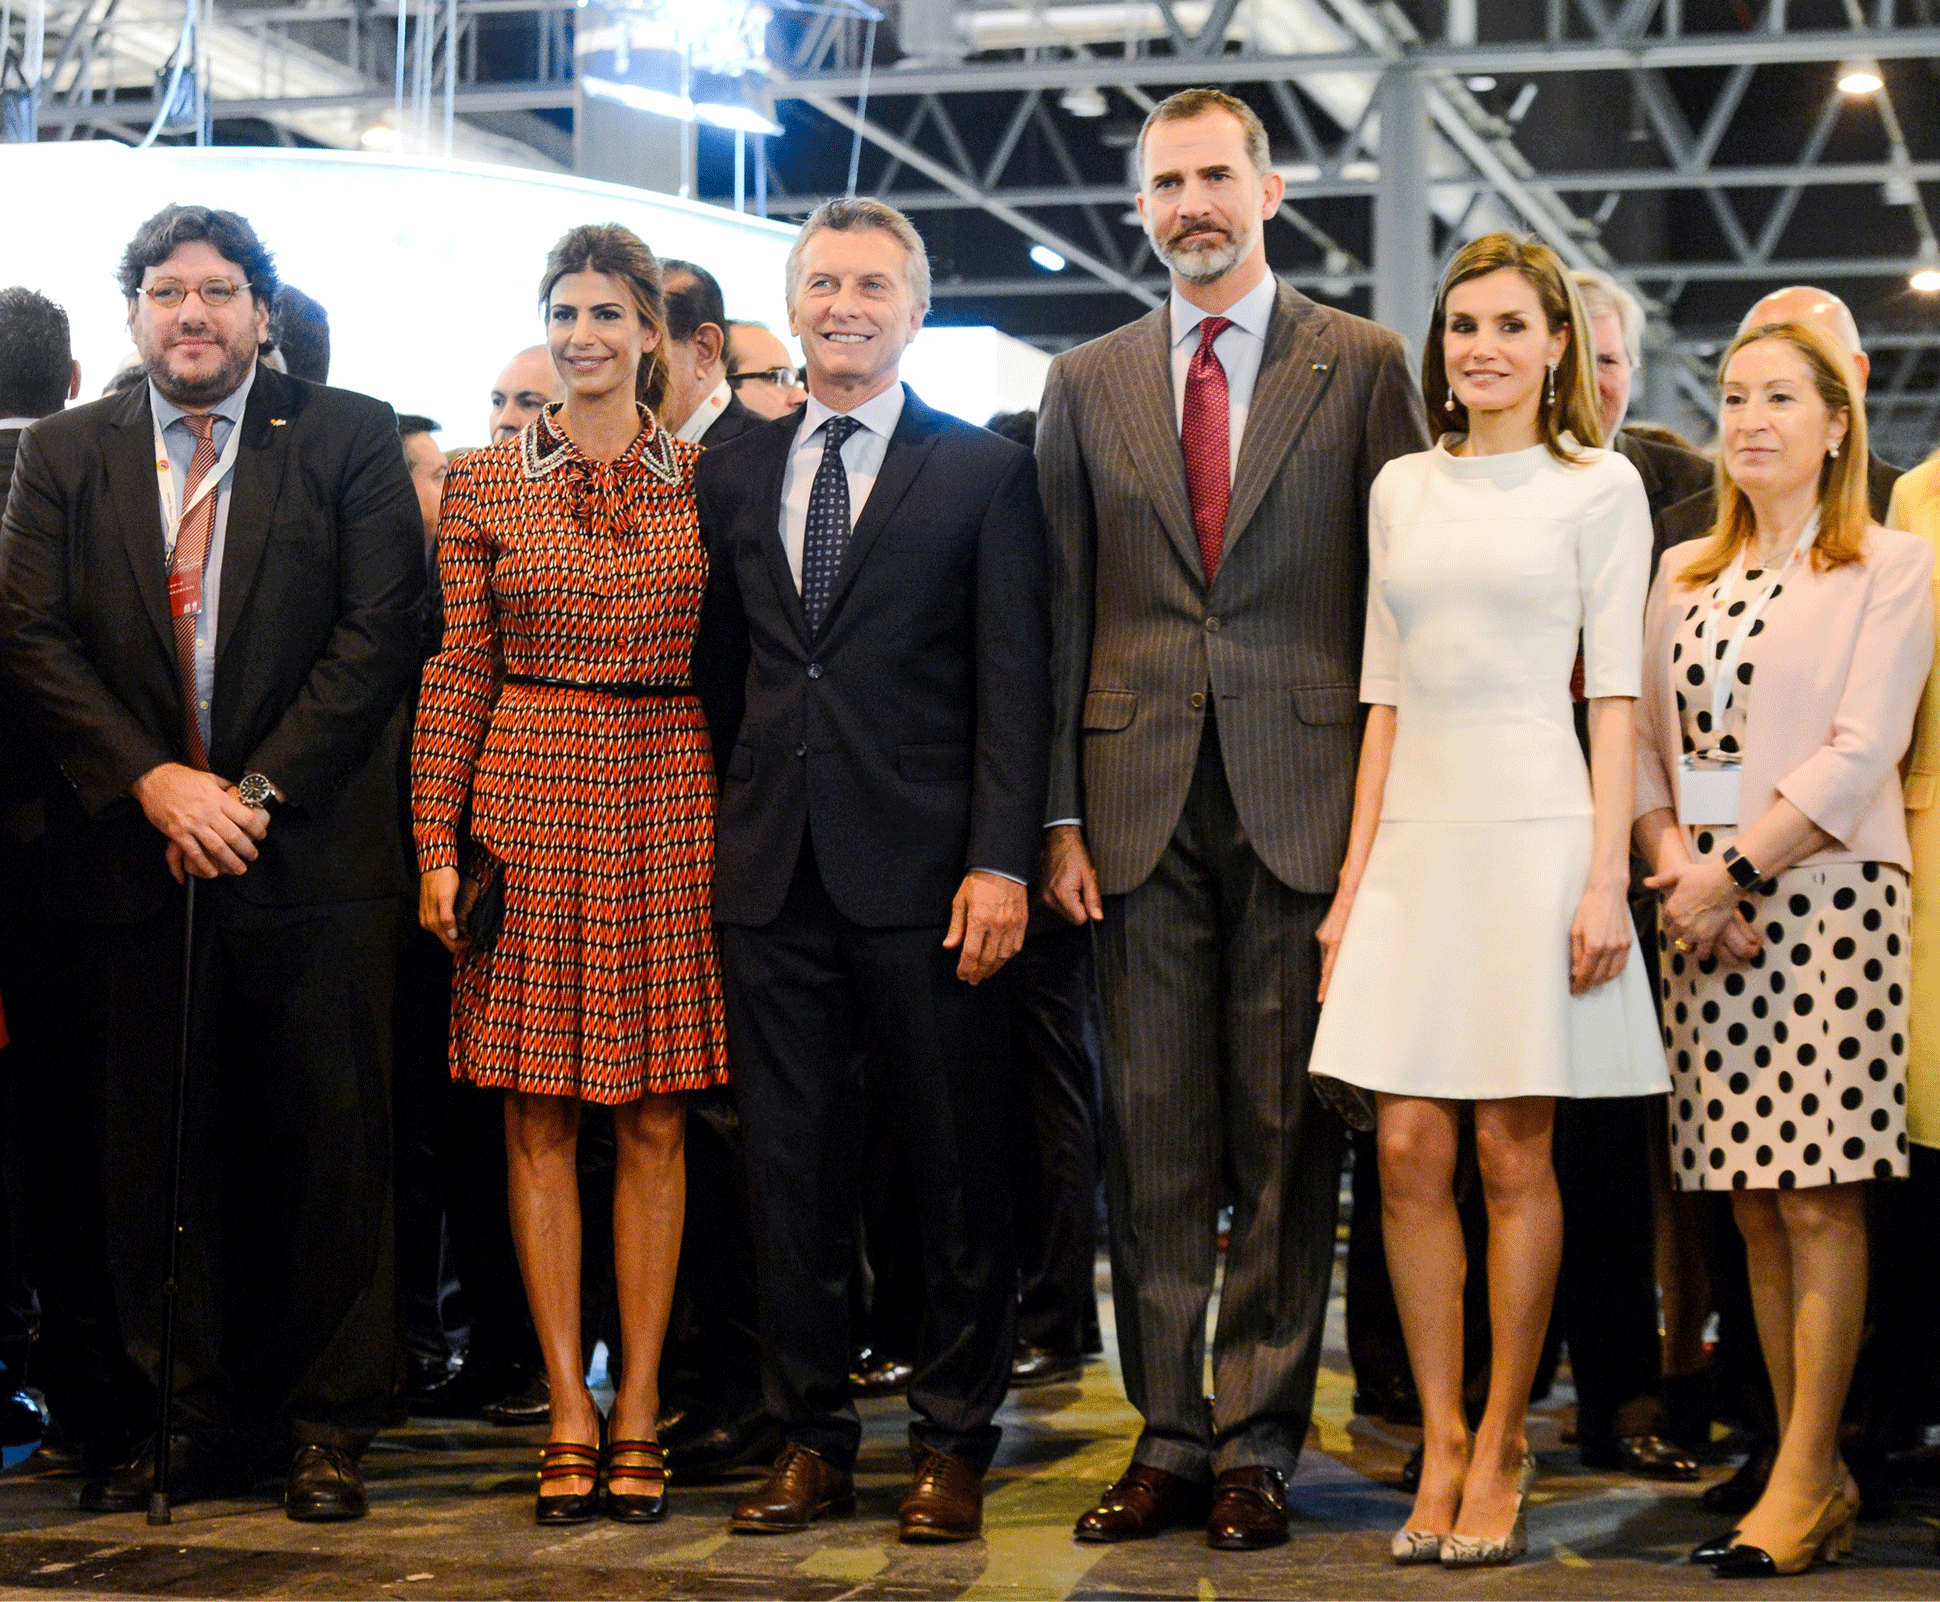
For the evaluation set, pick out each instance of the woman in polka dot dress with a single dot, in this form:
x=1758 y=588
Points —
x=1784 y=657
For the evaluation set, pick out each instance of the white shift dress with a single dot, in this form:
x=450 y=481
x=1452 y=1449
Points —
x=1453 y=976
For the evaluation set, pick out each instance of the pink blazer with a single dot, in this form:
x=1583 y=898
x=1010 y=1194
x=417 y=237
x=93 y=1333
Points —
x=1842 y=660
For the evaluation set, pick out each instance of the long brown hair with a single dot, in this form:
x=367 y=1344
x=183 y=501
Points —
x=1574 y=410
x=1844 y=506
x=619 y=253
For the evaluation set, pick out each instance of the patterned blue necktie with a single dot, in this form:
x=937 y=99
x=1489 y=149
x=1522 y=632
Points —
x=827 y=534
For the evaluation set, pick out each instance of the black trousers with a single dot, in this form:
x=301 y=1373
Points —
x=712 y=1363
x=1608 y=1296
x=285 y=1308
x=1053 y=993
x=810 y=995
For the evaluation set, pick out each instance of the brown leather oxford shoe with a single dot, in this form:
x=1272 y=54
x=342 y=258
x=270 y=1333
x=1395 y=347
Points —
x=945 y=1501
x=1143 y=1502
x=801 y=1488
x=1249 y=1510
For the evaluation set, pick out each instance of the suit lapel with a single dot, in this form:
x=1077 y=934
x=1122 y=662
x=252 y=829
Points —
x=128 y=454
x=909 y=445
x=1152 y=431
x=778 y=442
x=253 y=487
x=1295 y=370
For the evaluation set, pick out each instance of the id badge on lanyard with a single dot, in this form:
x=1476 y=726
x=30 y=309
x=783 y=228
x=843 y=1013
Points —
x=185 y=586
x=1708 y=786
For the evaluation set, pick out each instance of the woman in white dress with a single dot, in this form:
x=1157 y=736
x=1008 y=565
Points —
x=1479 y=948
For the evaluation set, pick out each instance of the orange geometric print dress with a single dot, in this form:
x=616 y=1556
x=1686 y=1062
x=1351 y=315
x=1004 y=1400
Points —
x=603 y=983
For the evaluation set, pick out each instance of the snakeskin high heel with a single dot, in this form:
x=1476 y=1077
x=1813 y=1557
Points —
x=1478 y=1551
x=1410 y=1547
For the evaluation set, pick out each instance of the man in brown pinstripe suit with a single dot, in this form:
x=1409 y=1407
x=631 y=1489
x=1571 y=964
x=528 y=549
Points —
x=1205 y=473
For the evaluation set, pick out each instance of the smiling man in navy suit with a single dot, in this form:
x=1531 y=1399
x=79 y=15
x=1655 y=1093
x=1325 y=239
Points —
x=875 y=661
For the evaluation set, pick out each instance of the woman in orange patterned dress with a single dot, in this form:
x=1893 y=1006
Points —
x=572 y=566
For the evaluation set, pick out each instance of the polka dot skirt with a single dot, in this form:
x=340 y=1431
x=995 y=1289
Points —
x=1791 y=1071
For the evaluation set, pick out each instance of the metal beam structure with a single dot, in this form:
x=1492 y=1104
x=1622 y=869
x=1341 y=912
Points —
x=1001 y=123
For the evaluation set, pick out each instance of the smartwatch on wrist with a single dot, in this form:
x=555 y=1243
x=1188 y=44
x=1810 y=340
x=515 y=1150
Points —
x=1744 y=874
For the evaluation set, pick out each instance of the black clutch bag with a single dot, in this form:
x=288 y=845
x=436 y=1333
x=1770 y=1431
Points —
x=481 y=889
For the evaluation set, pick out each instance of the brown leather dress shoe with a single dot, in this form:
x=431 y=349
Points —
x=801 y=1488
x=1143 y=1502
x=945 y=1501
x=1249 y=1510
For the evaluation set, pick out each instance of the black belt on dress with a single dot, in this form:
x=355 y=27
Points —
x=626 y=689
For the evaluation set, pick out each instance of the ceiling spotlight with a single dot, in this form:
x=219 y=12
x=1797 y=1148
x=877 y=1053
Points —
x=1480 y=84
x=1084 y=100
x=1926 y=281
x=379 y=136
x=1860 y=78
x=1047 y=258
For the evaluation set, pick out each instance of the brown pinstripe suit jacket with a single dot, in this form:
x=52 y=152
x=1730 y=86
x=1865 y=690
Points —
x=1142 y=646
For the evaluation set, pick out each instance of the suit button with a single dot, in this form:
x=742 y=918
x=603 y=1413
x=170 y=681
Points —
x=815 y=670
x=1212 y=625
x=801 y=750
x=1196 y=700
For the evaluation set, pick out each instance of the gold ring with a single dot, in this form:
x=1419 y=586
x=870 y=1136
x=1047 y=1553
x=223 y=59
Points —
x=1681 y=944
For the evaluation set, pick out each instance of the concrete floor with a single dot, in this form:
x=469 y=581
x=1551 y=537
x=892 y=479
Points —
x=450 y=1517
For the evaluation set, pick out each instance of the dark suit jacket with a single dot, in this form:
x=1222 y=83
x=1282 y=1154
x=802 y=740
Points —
x=909 y=737
x=734 y=421
x=1144 y=647
x=1692 y=517
x=323 y=569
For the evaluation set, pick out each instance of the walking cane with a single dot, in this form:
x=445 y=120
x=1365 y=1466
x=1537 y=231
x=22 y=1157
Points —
x=158 y=1511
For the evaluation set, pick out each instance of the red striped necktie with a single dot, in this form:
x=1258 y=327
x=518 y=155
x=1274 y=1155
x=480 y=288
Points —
x=1206 y=438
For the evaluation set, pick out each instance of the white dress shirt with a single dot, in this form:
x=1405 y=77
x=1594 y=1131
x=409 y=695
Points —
x=862 y=456
x=706 y=413
x=1239 y=349
x=228 y=413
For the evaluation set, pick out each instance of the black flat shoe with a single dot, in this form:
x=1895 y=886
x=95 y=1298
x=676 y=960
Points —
x=1648 y=1457
x=704 y=1448
x=323 y=1487
x=1038 y=1365
x=1712 y=1550
x=529 y=1402
x=196 y=1472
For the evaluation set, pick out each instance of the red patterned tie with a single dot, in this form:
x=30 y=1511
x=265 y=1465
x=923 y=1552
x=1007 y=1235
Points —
x=1206 y=438
x=185 y=568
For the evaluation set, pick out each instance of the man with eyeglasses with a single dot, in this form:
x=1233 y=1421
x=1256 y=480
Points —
x=765 y=377
x=209 y=613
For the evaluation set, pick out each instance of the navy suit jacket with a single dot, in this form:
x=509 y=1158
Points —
x=909 y=738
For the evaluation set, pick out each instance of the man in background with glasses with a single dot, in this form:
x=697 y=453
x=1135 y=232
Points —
x=209 y=594
x=765 y=377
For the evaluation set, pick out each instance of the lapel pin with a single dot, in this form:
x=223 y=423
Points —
x=277 y=422
x=1320 y=367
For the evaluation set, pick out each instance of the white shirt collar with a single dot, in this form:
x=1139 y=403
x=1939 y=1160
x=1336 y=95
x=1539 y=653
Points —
x=879 y=414
x=1249 y=313
x=711 y=407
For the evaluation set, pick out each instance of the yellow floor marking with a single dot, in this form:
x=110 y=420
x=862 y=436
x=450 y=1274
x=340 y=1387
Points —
x=1567 y=1558
x=853 y=1564
x=694 y=1552
x=1206 y=1591
x=1334 y=1411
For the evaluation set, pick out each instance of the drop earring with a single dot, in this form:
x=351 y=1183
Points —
x=1549 y=386
x=1833 y=452
x=1449 y=404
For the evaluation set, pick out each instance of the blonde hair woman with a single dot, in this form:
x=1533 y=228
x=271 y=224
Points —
x=1479 y=949
x=1784 y=657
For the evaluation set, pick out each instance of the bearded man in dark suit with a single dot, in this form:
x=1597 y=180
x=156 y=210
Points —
x=209 y=615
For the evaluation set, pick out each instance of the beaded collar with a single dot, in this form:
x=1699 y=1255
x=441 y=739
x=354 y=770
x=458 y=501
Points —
x=544 y=447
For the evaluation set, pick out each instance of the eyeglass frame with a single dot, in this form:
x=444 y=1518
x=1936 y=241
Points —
x=235 y=289
x=780 y=377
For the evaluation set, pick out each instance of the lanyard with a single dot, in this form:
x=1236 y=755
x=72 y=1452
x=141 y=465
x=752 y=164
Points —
x=212 y=481
x=1726 y=667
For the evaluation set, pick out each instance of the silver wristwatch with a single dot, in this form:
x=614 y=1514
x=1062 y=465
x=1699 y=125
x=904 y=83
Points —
x=256 y=791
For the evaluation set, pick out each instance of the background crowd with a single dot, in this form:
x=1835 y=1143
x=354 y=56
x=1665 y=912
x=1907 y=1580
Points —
x=867 y=898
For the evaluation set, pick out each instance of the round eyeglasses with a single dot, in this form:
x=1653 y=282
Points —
x=171 y=292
